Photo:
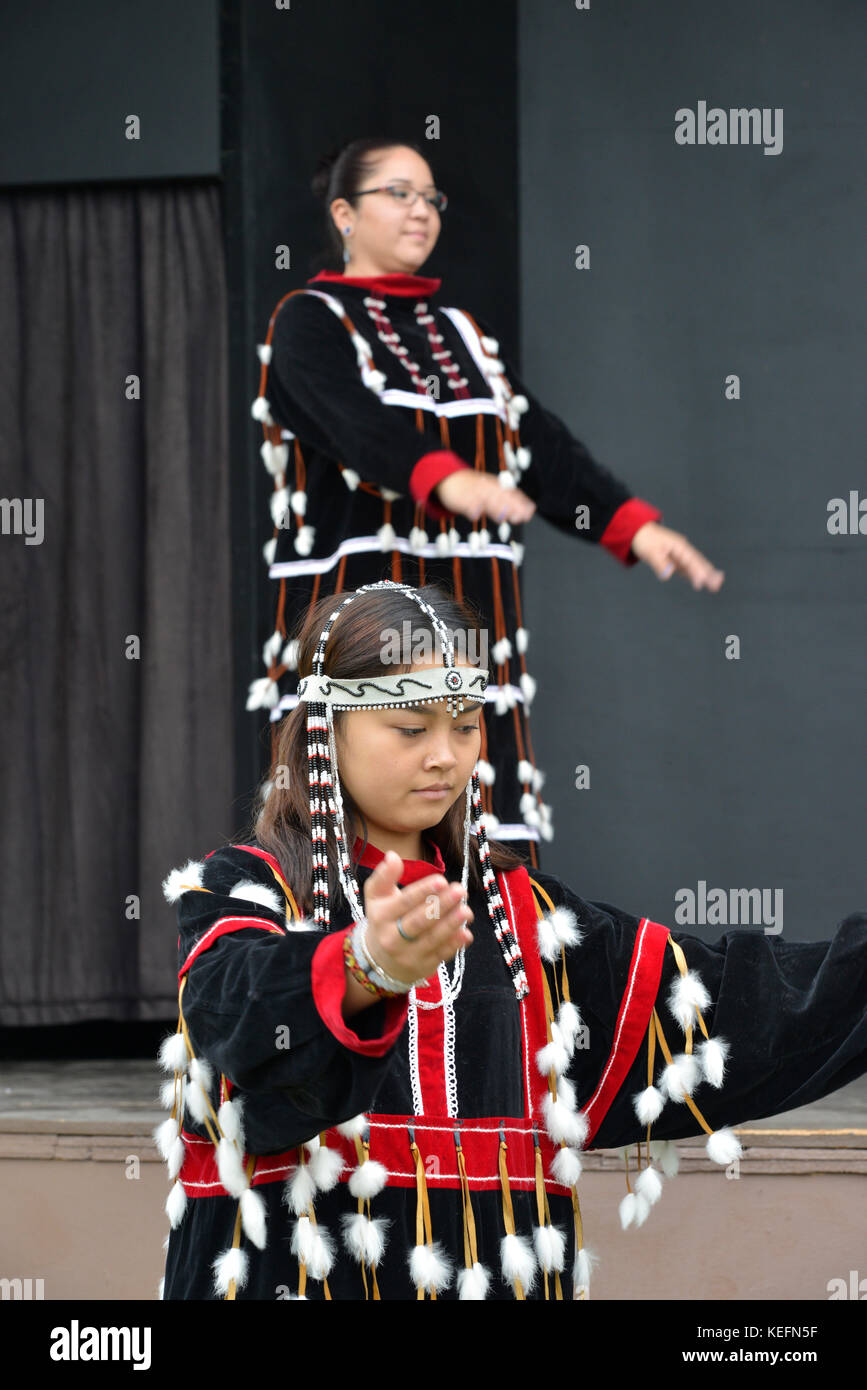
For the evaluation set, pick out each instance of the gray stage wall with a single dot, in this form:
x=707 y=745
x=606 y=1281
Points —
x=705 y=261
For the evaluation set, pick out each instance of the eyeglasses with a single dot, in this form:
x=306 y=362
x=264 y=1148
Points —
x=405 y=193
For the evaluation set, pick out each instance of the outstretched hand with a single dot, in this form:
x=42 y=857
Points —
x=431 y=912
x=666 y=551
x=472 y=494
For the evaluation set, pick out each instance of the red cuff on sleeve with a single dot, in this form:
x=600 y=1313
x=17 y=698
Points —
x=328 y=977
x=617 y=536
x=430 y=470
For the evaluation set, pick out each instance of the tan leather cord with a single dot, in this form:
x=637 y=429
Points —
x=362 y=1152
x=666 y=1052
x=508 y=1213
x=471 y=1253
x=540 y=1206
x=312 y=1218
x=236 y=1237
x=423 y=1229
x=683 y=967
x=651 y=1058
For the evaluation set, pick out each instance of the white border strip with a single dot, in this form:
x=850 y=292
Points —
x=364 y=545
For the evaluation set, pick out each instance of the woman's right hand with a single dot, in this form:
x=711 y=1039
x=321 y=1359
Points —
x=430 y=910
x=469 y=493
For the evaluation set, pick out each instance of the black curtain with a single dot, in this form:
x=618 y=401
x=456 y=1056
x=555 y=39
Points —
x=115 y=667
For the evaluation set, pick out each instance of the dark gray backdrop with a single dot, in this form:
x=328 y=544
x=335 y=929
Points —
x=705 y=261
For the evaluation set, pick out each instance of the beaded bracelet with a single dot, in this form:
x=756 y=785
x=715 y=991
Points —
x=358 y=973
x=373 y=971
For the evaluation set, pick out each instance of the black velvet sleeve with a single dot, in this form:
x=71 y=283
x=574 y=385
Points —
x=315 y=389
x=250 y=1011
x=562 y=474
x=793 y=1013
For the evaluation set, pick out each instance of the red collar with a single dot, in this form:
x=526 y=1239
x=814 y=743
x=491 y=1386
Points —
x=412 y=868
x=407 y=286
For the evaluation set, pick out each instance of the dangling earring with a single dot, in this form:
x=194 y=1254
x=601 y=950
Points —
x=347 y=231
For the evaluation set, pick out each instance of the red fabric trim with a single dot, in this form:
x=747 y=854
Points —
x=328 y=979
x=389 y=1143
x=636 y=1006
x=412 y=868
x=617 y=536
x=521 y=911
x=429 y=470
x=222 y=927
x=408 y=286
x=431 y=1050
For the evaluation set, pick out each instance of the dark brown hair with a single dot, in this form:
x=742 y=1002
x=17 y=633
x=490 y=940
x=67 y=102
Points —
x=355 y=648
x=340 y=174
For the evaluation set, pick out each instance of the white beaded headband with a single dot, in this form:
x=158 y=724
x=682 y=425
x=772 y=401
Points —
x=452 y=683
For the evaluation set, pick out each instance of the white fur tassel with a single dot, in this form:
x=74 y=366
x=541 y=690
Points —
x=680 y=1077
x=368 y=1180
x=473 y=1284
x=501 y=651
x=167 y=1094
x=230 y=1167
x=487 y=774
x=253 y=1217
x=304 y=540
x=687 y=994
x=528 y=687
x=325 y=1166
x=202 y=1072
x=634 y=1210
x=648 y=1104
x=549 y=946
x=176 y=1157
x=648 y=1185
x=554 y=1056
x=314 y=1247
x=582 y=1270
x=569 y=1023
x=351 y=478
x=522 y=636
x=518 y=1261
x=723 y=1146
x=232 y=1264
x=251 y=892
x=712 y=1056
x=429 y=1268
x=565 y=925
x=190 y=876
x=230 y=1117
x=354 y=1128
x=299 y=1189
x=666 y=1154
x=196 y=1101
x=165 y=1135
x=550 y=1246
x=173 y=1053
x=566 y=1167
x=364 y=1237
x=176 y=1204
x=564 y=1125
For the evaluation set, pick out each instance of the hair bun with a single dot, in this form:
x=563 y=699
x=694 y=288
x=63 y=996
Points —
x=322 y=177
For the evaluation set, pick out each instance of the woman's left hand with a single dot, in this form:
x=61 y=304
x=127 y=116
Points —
x=666 y=551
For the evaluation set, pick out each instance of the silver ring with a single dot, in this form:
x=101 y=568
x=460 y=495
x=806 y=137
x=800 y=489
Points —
x=403 y=933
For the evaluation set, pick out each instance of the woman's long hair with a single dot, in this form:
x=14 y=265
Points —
x=356 y=646
x=341 y=174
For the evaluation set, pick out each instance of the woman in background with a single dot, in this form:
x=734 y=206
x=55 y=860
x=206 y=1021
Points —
x=403 y=446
